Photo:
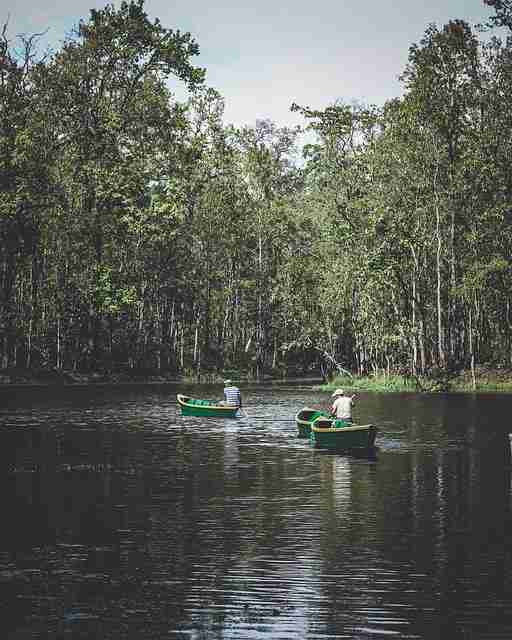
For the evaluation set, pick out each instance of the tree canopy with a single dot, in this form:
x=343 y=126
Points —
x=142 y=233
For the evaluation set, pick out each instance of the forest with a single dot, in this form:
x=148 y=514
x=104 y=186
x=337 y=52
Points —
x=141 y=233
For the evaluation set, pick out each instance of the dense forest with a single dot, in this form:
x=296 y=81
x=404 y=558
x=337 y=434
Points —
x=141 y=233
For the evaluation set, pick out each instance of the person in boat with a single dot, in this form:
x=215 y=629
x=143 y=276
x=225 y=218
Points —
x=232 y=395
x=342 y=406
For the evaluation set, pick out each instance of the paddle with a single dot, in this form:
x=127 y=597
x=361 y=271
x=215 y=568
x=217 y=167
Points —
x=244 y=412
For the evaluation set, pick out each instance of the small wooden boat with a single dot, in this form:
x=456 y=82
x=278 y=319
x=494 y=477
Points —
x=329 y=433
x=195 y=407
x=304 y=420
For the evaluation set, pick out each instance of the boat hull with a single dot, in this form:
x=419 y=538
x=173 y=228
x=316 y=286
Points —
x=204 y=408
x=304 y=420
x=327 y=433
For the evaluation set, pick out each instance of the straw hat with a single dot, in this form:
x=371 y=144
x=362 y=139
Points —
x=226 y=382
x=338 y=392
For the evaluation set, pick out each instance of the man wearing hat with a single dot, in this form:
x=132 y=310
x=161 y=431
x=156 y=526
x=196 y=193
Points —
x=342 y=406
x=232 y=394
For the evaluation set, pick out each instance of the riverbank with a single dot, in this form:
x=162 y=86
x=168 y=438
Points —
x=54 y=377
x=486 y=379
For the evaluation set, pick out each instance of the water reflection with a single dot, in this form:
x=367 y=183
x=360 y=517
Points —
x=123 y=519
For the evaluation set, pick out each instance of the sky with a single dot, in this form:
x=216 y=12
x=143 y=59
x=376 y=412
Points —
x=262 y=56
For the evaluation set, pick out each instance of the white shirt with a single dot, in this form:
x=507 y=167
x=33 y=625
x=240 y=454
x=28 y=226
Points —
x=342 y=408
x=232 y=396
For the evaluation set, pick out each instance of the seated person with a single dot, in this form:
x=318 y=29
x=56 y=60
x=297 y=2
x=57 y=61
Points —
x=232 y=395
x=342 y=406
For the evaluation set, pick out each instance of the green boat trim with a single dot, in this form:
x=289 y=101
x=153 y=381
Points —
x=197 y=407
x=304 y=419
x=337 y=434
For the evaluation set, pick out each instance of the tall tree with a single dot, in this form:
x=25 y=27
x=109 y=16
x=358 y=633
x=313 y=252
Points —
x=107 y=88
x=443 y=84
x=25 y=187
x=267 y=152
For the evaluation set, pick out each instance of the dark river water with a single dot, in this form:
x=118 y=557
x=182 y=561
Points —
x=122 y=519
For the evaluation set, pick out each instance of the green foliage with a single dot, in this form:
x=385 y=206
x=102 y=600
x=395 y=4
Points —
x=503 y=13
x=376 y=384
x=109 y=297
x=144 y=233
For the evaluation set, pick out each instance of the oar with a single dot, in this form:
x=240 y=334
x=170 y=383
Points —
x=244 y=412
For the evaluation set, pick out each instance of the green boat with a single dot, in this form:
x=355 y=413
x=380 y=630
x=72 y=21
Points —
x=304 y=419
x=195 y=407
x=328 y=433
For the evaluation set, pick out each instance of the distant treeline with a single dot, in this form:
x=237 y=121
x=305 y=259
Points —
x=138 y=232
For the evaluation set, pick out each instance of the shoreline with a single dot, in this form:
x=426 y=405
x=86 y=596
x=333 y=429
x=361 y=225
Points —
x=67 y=379
x=43 y=379
x=488 y=380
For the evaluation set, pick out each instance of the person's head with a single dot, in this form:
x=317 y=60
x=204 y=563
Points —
x=227 y=382
x=338 y=392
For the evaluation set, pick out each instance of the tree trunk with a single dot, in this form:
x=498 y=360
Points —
x=471 y=350
x=439 y=246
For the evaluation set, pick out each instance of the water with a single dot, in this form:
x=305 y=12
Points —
x=124 y=520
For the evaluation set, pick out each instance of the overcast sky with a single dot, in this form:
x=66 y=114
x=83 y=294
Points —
x=264 y=55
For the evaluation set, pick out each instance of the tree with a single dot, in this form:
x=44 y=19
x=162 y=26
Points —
x=503 y=13
x=26 y=189
x=443 y=83
x=112 y=106
x=266 y=153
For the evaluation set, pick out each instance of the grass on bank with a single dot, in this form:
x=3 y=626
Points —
x=485 y=381
x=381 y=384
